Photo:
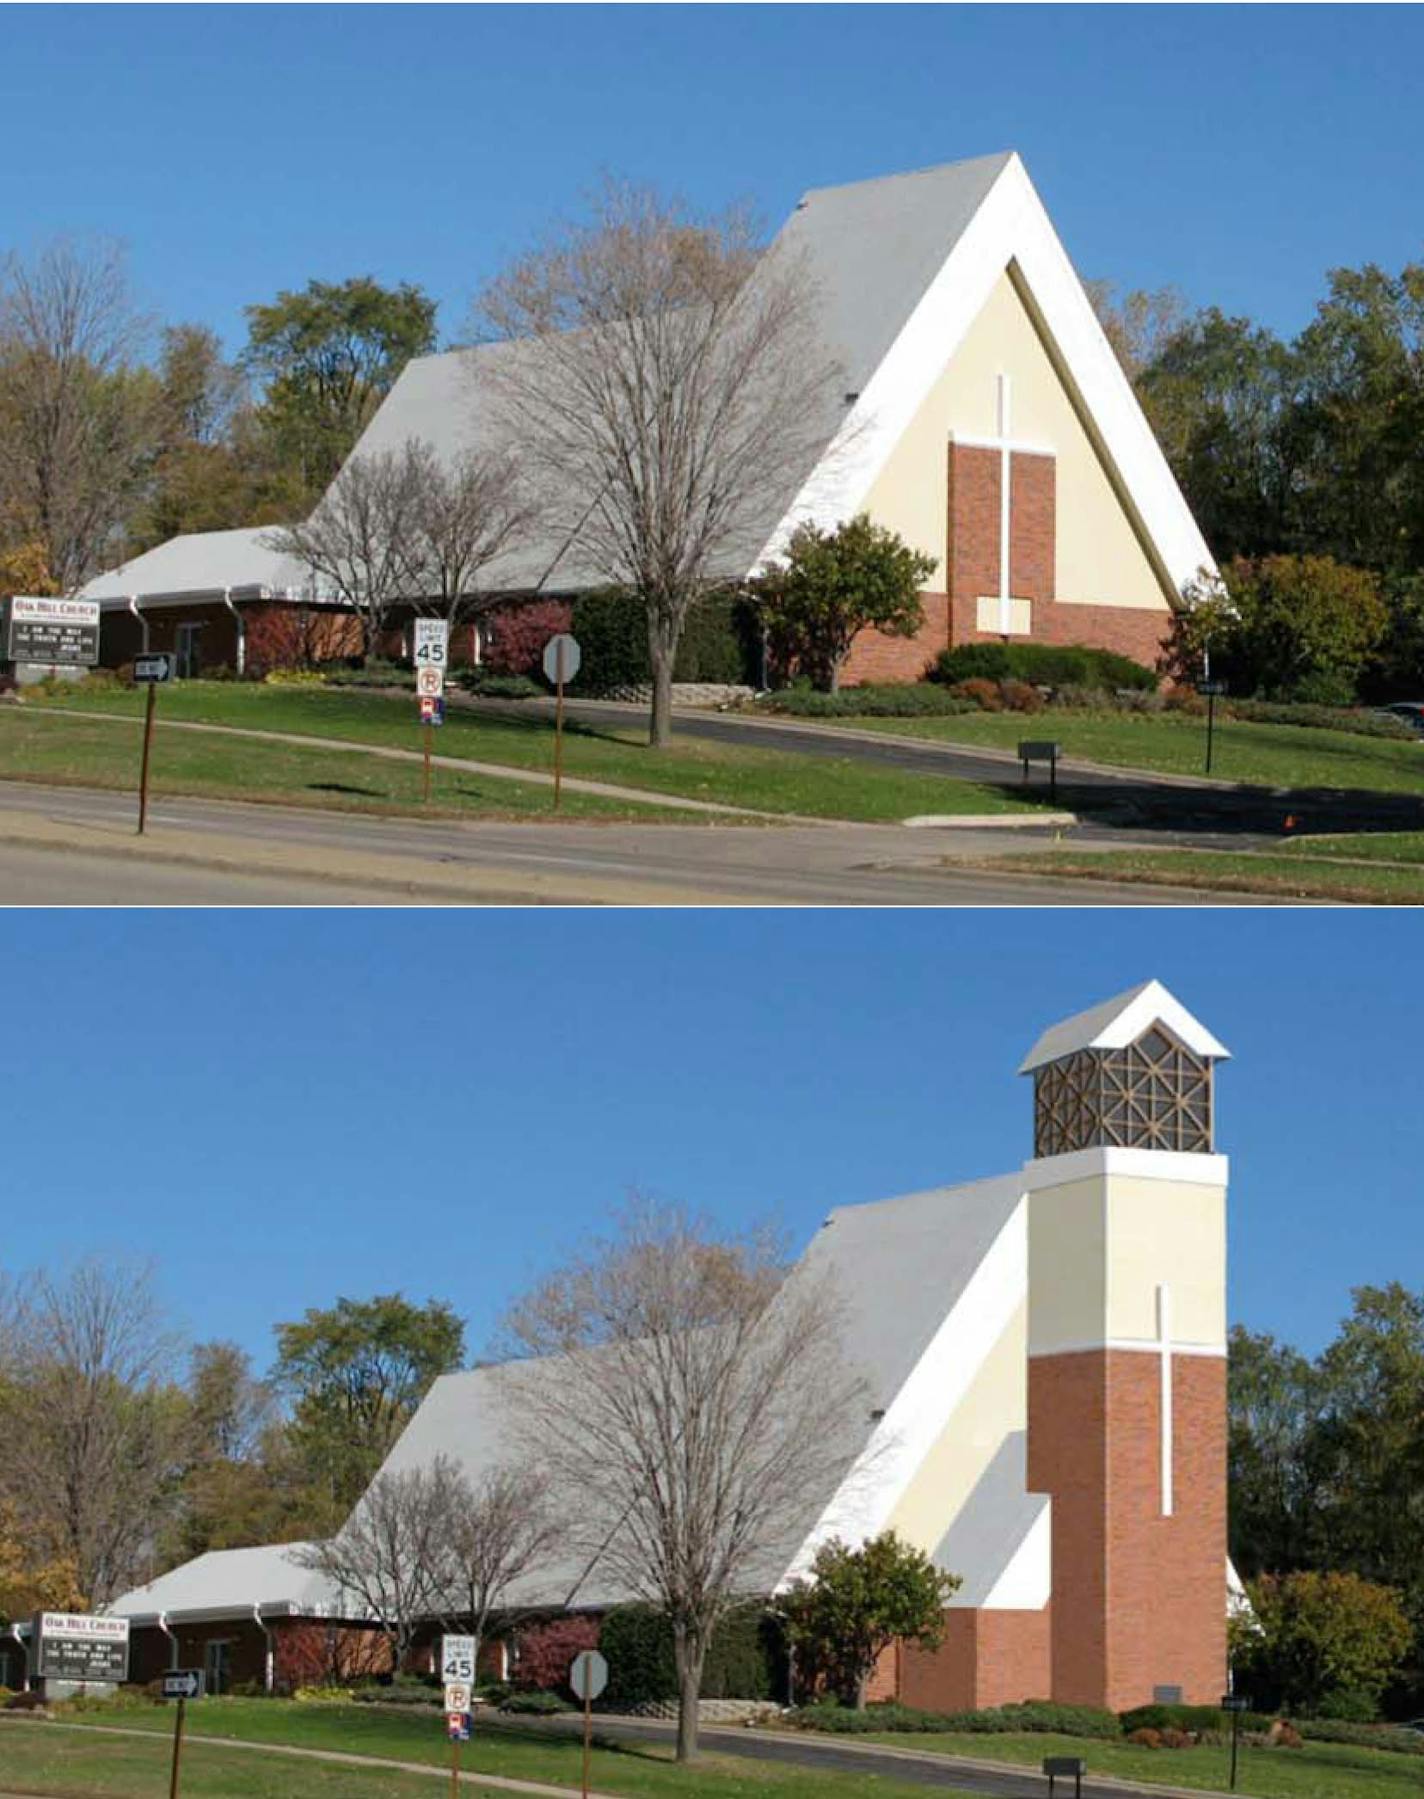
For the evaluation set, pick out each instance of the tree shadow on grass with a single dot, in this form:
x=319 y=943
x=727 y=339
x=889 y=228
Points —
x=367 y=793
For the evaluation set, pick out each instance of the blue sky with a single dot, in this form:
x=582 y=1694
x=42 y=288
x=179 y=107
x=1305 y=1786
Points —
x=280 y=1108
x=1234 y=151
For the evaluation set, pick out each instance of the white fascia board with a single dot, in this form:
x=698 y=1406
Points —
x=1143 y=1164
x=862 y=1505
x=1026 y=1584
x=1010 y=227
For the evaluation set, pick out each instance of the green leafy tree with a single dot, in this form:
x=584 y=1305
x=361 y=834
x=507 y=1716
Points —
x=1319 y=1637
x=834 y=584
x=327 y=357
x=1305 y=628
x=856 y=1603
x=1274 y=1400
x=355 y=1372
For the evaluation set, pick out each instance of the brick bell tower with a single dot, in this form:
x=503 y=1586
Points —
x=1127 y=1350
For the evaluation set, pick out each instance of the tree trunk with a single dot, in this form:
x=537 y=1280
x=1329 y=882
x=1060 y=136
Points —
x=689 y=1650
x=662 y=653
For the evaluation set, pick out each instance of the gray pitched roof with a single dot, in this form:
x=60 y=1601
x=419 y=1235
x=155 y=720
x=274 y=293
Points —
x=1121 y=1020
x=203 y=564
x=870 y=249
x=898 y=1266
x=232 y=1581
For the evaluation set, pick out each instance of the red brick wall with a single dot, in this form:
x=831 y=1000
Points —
x=876 y=657
x=1139 y=1600
x=986 y=1658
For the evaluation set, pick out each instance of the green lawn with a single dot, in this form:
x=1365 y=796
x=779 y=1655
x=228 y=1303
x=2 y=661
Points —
x=642 y=1771
x=1261 y=755
x=1281 y=874
x=1377 y=846
x=1314 y=1771
x=78 y=751
x=770 y=780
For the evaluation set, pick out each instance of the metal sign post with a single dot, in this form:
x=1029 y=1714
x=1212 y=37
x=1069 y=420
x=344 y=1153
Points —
x=1211 y=689
x=150 y=671
x=430 y=652
x=588 y=1676
x=562 y=659
x=181 y=1684
x=1235 y=1704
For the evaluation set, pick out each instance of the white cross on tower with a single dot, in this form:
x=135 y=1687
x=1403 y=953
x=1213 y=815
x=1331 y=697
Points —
x=1164 y=1349
x=1006 y=463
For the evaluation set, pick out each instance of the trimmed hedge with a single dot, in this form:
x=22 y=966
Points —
x=721 y=642
x=1035 y=1715
x=887 y=701
x=744 y=1659
x=1172 y=1717
x=1045 y=664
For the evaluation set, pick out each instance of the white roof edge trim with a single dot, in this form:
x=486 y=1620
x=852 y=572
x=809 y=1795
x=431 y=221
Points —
x=1115 y=1023
x=861 y=1506
x=1011 y=226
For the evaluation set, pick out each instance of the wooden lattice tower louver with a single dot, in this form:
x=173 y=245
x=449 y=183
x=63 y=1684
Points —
x=1151 y=1094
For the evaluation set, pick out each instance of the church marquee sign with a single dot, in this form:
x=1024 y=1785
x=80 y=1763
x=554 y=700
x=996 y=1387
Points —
x=79 y=1646
x=52 y=631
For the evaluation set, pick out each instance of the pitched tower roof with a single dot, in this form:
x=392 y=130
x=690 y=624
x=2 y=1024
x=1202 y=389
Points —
x=1116 y=1022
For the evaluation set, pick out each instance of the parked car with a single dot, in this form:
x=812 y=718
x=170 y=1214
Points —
x=1411 y=711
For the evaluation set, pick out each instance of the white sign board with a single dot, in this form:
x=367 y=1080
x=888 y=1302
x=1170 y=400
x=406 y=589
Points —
x=432 y=642
x=588 y=1674
x=457 y=1696
x=565 y=647
x=430 y=681
x=457 y=1664
x=52 y=631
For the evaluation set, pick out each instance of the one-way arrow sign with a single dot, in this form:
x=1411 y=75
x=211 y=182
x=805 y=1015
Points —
x=183 y=1683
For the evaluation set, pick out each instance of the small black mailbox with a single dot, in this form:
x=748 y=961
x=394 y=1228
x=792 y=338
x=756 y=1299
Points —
x=1031 y=751
x=1065 y=1767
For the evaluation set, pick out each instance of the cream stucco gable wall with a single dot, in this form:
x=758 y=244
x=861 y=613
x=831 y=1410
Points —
x=1100 y=560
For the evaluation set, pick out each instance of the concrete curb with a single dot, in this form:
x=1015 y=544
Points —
x=990 y=821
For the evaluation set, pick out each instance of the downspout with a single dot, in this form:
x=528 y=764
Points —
x=268 y=1663
x=240 y=659
x=143 y=626
x=172 y=1640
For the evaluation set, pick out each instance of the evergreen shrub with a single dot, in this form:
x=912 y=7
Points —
x=890 y=700
x=1033 y=1715
x=720 y=642
x=744 y=1659
x=1045 y=664
x=1171 y=1717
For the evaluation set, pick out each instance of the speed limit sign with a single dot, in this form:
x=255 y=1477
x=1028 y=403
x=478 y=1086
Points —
x=432 y=642
x=457 y=1660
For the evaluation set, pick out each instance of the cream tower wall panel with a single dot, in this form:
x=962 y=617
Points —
x=1173 y=1234
x=1099 y=558
x=1067 y=1266
x=994 y=1405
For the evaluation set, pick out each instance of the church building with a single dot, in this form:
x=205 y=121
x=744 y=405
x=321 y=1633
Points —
x=1043 y=1355
x=983 y=416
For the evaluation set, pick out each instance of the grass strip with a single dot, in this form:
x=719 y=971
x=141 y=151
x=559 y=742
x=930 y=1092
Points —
x=1292 y=756
x=639 y=1770
x=96 y=753
x=1314 y=1771
x=774 y=779
x=1272 y=875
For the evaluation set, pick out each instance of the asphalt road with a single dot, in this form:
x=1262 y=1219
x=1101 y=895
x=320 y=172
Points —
x=88 y=837
x=807 y=1750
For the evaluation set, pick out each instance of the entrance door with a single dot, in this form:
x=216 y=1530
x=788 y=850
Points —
x=186 y=658
x=215 y=1665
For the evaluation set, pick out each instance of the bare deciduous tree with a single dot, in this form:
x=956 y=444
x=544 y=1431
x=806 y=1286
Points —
x=393 y=1556
x=700 y=1406
x=465 y=515
x=79 y=422
x=502 y=1527
x=663 y=380
x=356 y=544
x=94 y=1434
